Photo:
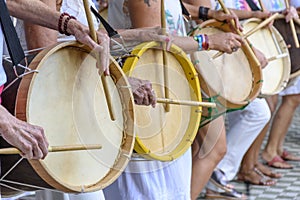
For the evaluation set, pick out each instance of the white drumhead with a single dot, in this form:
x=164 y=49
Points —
x=66 y=98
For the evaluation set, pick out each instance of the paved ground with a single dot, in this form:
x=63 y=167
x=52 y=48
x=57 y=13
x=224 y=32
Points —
x=287 y=187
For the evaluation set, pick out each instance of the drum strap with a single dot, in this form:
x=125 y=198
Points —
x=252 y=5
x=110 y=31
x=13 y=44
x=184 y=10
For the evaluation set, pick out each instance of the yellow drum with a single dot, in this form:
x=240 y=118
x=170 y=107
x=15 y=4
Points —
x=165 y=135
x=66 y=98
x=270 y=42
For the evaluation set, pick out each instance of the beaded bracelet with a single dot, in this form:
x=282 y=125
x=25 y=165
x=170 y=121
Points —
x=202 y=40
x=66 y=24
x=203 y=13
x=60 y=22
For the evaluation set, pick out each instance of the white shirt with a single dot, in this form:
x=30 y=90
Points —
x=295 y=3
x=2 y=72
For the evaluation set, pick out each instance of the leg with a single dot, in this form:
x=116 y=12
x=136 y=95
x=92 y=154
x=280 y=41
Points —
x=243 y=127
x=281 y=122
x=208 y=149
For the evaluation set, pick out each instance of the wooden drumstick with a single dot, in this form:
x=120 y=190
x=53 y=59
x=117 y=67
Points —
x=295 y=74
x=292 y=26
x=247 y=46
x=261 y=25
x=278 y=57
x=12 y=150
x=281 y=16
x=165 y=59
x=103 y=78
x=187 y=103
x=262 y=7
x=252 y=31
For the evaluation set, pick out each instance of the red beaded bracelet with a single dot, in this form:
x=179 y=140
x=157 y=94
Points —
x=60 y=22
x=205 y=44
x=66 y=24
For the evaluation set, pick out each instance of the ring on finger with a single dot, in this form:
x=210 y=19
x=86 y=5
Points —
x=234 y=49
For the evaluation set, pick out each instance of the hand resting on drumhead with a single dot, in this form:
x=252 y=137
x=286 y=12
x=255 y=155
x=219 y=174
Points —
x=142 y=92
x=29 y=139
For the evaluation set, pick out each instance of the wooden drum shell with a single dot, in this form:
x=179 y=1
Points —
x=233 y=85
x=81 y=171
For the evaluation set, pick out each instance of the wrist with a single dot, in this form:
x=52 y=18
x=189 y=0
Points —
x=203 y=42
x=203 y=13
x=63 y=23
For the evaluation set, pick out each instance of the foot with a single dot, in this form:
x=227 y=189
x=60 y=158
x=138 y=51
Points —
x=219 y=179
x=288 y=156
x=210 y=194
x=255 y=177
x=275 y=161
x=267 y=171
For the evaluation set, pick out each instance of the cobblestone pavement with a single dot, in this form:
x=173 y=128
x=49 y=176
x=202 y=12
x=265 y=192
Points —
x=287 y=187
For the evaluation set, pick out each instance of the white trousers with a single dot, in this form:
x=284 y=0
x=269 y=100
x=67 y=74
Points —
x=243 y=128
x=153 y=180
x=51 y=195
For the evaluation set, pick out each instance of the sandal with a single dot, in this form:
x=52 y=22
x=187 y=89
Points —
x=288 y=156
x=255 y=177
x=267 y=171
x=278 y=159
x=225 y=195
x=219 y=179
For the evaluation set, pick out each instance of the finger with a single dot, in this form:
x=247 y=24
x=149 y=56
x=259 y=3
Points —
x=42 y=141
x=34 y=140
x=138 y=96
x=146 y=98
x=153 y=101
x=238 y=39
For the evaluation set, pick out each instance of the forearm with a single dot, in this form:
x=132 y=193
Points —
x=38 y=36
x=35 y=12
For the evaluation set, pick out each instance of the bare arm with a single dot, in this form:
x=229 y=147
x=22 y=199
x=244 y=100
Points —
x=142 y=15
x=37 y=12
x=38 y=36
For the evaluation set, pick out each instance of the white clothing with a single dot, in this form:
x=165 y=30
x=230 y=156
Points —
x=242 y=129
x=295 y=3
x=51 y=195
x=171 y=182
x=292 y=88
x=76 y=9
x=274 y=5
x=152 y=180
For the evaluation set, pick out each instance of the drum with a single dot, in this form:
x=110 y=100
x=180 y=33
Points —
x=66 y=98
x=285 y=30
x=270 y=42
x=163 y=135
x=231 y=80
